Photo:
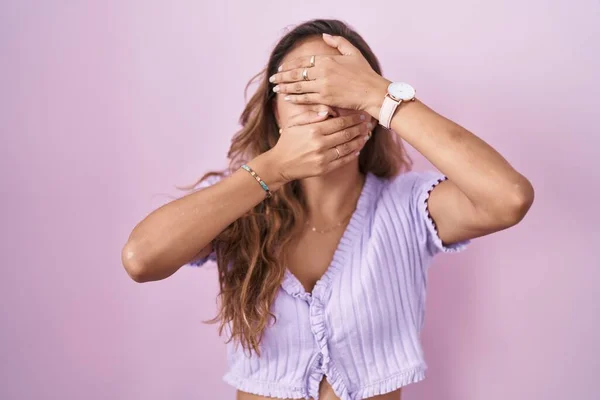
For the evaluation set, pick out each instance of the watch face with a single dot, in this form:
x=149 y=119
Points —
x=401 y=91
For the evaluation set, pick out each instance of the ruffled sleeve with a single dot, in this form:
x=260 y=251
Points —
x=407 y=203
x=212 y=256
x=423 y=185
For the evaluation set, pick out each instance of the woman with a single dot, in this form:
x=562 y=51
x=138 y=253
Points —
x=323 y=237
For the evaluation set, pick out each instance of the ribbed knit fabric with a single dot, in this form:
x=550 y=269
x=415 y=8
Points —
x=360 y=326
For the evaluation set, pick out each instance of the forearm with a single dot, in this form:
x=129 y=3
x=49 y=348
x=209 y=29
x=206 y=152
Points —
x=176 y=232
x=479 y=171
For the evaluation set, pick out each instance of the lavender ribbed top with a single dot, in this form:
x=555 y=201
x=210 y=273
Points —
x=360 y=325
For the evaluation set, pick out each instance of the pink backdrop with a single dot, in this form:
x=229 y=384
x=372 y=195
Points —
x=106 y=105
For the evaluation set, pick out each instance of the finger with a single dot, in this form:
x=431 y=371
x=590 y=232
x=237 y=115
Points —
x=345 y=149
x=296 y=74
x=348 y=147
x=333 y=125
x=346 y=135
x=297 y=87
x=300 y=62
x=318 y=113
x=342 y=161
x=341 y=43
x=306 y=98
x=321 y=107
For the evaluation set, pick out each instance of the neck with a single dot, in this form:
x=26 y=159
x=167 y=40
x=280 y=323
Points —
x=333 y=196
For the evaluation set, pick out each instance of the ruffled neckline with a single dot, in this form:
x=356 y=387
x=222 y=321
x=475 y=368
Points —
x=321 y=290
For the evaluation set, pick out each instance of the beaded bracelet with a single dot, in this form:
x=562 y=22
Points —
x=258 y=179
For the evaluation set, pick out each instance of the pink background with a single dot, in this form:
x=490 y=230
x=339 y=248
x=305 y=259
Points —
x=106 y=105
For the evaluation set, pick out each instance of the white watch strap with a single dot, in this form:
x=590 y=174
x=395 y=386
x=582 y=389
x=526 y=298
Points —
x=388 y=108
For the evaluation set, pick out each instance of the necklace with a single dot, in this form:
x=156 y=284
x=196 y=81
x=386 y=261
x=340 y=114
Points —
x=327 y=230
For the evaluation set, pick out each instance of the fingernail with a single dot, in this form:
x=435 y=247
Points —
x=276 y=89
x=280 y=68
x=287 y=98
x=272 y=78
x=357 y=153
x=326 y=35
x=370 y=125
x=366 y=138
x=362 y=117
x=322 y=113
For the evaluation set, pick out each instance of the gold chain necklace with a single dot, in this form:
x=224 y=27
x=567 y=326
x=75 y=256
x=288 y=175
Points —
x=327 y=230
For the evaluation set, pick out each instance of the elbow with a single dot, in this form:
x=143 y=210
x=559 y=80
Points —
x=517 y=203
x=133 y=265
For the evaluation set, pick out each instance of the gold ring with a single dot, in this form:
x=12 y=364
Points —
x=305 y=74
x=312 y=61
x=338 y=152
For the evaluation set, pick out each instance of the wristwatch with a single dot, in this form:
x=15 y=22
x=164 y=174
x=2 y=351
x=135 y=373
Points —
x=396 y=94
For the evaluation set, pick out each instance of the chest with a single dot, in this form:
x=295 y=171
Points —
x=312 y=254
x=374 y=284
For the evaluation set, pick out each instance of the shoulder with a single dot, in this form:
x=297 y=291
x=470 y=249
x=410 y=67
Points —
x=411 y=184
x=403 y=198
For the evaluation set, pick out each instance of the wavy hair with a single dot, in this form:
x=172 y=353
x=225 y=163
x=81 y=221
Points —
x=251 y=252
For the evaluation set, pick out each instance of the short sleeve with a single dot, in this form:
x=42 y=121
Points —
x=423 y=185
x=212 y=256
x=198 y=262
x=407 y=195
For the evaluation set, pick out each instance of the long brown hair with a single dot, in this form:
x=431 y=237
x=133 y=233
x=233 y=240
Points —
x=251 y=251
